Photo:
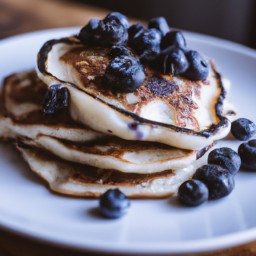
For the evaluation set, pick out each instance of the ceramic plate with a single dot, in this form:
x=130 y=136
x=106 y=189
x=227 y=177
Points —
x=151 y=226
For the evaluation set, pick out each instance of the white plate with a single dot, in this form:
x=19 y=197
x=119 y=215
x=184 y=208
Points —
x=151 y=226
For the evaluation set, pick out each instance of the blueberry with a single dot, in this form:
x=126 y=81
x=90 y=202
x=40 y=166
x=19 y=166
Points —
x=193 y=192
x=226 y=158
x=124 y=74
x=198 y=66
x=159 y=23
x=218 y=180
x=247 y=152
x=134 y=30
x=148 y=57
x=173 y=38
x=243 y=129
x=146 y=43
x=171 y=61
x=86 y=33
x=56 y=99
x=122 y=18
x=109 y=31
x=119 y=50
x=114 y=204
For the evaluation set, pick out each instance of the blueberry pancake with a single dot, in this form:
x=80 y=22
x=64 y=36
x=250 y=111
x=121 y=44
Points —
x=165 y=108
x=72 y=179
x=117 y=106
x=23 y=119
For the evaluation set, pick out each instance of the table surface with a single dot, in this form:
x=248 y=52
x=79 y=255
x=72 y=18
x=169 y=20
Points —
x=17 y=17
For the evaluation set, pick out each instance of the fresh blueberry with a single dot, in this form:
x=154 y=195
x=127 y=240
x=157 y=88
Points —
x=56 y=99
x=123 y=19
x=218 y=180
x=148 y=57
x=193 y=192
x=198 y=66
x=173 y=38
x=119 y=50
x=171 y=61
x=243 y=129
x=114 y=204
x=159 y=23
x=227 y=158
x=247 y=152
x=124 y=74
x=109 y=31
x=86 y=33
x=134 y=29
x=146 y=43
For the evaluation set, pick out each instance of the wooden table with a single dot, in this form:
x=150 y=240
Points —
x=20 y=16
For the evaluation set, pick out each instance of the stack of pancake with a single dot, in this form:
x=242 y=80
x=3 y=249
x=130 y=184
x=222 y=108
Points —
x=146 y=143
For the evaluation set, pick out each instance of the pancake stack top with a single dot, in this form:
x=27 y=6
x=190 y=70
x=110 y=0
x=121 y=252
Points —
x=132 y=108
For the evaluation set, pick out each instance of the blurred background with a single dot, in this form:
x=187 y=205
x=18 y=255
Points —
x=234 y=20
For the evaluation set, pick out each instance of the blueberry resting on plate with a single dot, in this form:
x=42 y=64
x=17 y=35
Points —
x=193 y=193
x=109 y=31
x=134 y=29
x=227 y=158
x=114 y=204
x=146 y=43
x=171 y=61
x=247 y=152
x=198 y=66
x=124 y=74
x=243 y=129
x=122 y=18
x=119 y=50
x=87 y=32
x=218 y=180
x=56 y=99
x=173 y=38
x=159 y=23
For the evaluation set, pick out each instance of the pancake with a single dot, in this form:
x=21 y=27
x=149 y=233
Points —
x=60 y=135
x=166 y=109
x=117 y=154
x=21 y=115
x=80 y=180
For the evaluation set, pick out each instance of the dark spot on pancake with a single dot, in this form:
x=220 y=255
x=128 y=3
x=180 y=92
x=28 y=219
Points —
x=160 y=86
x=231 y=113
x=21 y=144
x=187 y=99
x=110 y=131
x=201 y=152
x=133 y=126
x=206 y=134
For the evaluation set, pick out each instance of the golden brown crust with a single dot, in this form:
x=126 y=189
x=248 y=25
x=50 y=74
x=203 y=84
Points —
x=90 y=176
x=112 y=145
x=91 y=62
x=94 y=195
